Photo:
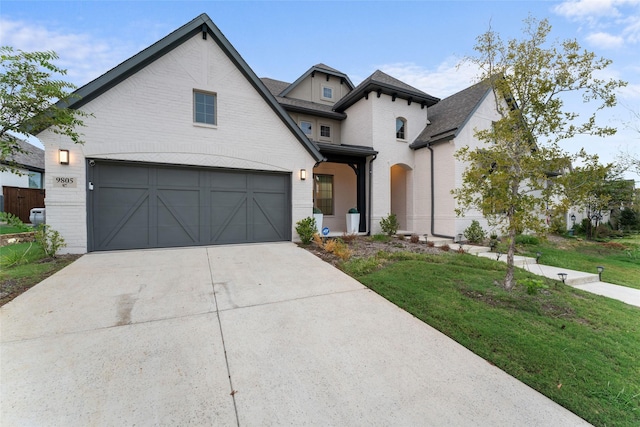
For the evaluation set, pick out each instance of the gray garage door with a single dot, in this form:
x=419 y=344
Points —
x=149 y=206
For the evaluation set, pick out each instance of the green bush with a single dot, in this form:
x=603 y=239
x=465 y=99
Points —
x=14 y=221
x=527 y=239
x=389 y=224
x=50 y=240
x=306 y=228
x=316 y=210
x=475 y=233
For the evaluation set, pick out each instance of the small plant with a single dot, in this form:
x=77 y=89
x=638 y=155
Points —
x=493 y=241
x=338 y=248
x=14 y=221
x=445 y=248
x=526 y=239
x=50 y=240
x=389 y=224
x=348 y=237
x=316 y=210
x=380 y=238
x=430 y=243
x=475 y=233
x=414 y=238
x=353 y=210
x=306 y=228
x=533 y=285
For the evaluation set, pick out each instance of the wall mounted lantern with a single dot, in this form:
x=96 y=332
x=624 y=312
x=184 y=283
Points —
x=303 y=174
x=63 y=157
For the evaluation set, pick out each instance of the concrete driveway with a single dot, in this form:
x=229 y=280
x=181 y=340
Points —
x=262 y=334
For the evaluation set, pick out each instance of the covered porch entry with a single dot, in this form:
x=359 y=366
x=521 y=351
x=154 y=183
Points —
x=340 y=183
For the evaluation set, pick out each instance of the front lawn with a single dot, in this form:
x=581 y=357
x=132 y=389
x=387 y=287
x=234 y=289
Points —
x=579 y=349
x=620 y=258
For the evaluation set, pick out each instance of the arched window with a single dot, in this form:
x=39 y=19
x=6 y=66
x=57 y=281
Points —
x=401 y=128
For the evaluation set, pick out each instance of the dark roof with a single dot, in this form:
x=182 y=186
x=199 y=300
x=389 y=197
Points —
x=300 y=105
x=346 y=150
x=449 y=116
x=28 y=156
x=380 y=82
x=201 y=24
x=323 y=69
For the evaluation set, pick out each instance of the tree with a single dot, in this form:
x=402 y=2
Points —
x=507 y=177
x=32 y=99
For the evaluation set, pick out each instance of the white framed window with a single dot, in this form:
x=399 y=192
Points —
x=401 y=128
x=325 y=132
x=204 y=108
x=306 y=127
x=327 y=93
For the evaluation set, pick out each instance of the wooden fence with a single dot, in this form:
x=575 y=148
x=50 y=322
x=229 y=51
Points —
x=20 y=201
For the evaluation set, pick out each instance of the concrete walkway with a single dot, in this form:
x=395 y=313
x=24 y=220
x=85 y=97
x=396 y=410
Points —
x=589 y=282
x=239 y=335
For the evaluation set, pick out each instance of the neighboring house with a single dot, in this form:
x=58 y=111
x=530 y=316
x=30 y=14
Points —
x=21 y=179
x=185 y=145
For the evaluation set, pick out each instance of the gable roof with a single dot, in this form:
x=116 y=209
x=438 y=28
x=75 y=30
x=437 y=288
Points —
x=201 y=24
x=380 y=82
x=449 y=116
x=300 y=105
x=27 y=156
x=319 y=68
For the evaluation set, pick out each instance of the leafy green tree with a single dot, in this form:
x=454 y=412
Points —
x=32 y=98
x=507 y=177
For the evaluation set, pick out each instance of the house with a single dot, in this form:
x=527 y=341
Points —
x=21 y=179
x=185 y=145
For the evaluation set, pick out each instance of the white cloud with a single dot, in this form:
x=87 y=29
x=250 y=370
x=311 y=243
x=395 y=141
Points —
x=611 y=23
x=447 y=79
x=605 y=40
x=81 y=54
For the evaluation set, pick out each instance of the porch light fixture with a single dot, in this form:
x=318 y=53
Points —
x=600 y=270
x=63 y=157
x=538 y=255
x=562 y=276
x=573 y=219
x=303 y=174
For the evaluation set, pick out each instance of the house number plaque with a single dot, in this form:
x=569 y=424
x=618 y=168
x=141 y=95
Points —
x=64 y=182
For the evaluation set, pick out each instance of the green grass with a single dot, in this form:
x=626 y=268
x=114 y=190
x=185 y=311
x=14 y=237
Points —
x=8 y=229
x=579 y=349
x=24 y=265
x=620 y=258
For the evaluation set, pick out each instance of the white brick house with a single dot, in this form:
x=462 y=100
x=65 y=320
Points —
x=185 y=145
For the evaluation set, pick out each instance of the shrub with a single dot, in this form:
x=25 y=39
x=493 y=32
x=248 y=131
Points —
x=389 y=224
x=629 y=219
x=14 y=221
x=475 y=233
x=348 y=238
x=527 y=239
x=353 y=210
x=445 y=248
x=430 y=243
x=414 y=238
x=50 y=240
x=306 y=228
x=316 y=210
x=533 y=285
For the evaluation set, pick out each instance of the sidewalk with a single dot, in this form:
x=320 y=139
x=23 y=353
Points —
x=586 y=281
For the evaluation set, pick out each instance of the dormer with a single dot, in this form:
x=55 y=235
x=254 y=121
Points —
x=320 y=84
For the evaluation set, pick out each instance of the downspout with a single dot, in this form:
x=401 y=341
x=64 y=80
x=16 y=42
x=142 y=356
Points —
x=370 y=193
x=433 y=200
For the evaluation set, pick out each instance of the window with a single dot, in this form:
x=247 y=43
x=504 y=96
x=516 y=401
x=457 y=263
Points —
x=325 y=131
x=35 y=180
x=306 y=128
x=204 y=108
x=323 y=193
x=327 y=93
x=401 y=126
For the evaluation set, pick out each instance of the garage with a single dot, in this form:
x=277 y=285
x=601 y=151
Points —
x=137 y=206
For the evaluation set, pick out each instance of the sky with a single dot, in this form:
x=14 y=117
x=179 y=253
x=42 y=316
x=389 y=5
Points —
x=420 y=42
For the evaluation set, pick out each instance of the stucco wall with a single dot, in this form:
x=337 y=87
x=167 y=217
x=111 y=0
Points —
x=310 y=89
x=149 y=118
x=345 y=194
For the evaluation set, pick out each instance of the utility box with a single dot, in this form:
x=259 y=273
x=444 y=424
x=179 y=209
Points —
x=37 y=216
